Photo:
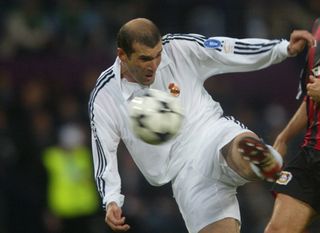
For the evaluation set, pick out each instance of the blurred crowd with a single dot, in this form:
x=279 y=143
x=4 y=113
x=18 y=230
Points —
x=88 y=26
x=51 y=53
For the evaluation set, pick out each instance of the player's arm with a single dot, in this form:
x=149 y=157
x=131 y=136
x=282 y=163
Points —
x=216 y=55
x=241 y=55
x=297 y=123
x=105 y=140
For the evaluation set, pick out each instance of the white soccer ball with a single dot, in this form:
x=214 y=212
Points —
x=155 y=117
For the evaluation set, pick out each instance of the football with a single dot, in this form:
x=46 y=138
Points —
x=155 y=117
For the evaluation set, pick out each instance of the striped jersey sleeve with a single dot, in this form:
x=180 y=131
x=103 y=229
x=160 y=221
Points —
x=216 y=55
x=256 y=46
x=105 y=139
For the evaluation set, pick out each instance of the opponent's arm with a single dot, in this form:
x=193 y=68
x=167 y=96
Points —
x=297 y=123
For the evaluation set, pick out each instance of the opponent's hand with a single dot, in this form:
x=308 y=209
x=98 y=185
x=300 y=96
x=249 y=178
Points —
x=313 y=88
x=298 y=40
x=114 y=218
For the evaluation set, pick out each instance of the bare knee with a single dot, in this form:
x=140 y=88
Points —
x=226 y=225
x=274 y=228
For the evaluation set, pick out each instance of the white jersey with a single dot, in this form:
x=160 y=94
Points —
x=187 y=61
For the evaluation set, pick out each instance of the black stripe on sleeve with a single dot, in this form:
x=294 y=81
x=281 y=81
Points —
x=251 y=49
x=100 y=84
x=189 y=37
x=102 y=161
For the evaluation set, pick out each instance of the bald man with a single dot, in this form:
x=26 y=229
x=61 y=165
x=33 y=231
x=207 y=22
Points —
x=213 y=154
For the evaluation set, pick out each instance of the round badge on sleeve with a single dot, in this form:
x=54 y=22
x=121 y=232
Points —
x=212 y=43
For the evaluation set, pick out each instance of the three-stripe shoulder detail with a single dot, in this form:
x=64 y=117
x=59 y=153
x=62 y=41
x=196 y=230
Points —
x=104 y=78
x=189 y=37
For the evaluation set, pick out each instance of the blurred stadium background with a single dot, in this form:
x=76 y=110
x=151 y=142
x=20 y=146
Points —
x=51 y=52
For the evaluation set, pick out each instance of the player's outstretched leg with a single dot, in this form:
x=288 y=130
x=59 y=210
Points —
x=265 y=161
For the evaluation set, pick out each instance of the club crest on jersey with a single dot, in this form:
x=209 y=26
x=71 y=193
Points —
x=284 y=178
x=174 y=89
x=228 y=47
x=212 y=43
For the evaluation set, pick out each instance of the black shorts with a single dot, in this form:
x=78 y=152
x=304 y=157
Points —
x=300 y=178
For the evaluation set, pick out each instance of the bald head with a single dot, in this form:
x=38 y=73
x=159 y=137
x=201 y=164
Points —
x=138 y=30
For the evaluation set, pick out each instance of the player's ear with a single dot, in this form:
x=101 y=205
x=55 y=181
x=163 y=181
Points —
x=122 y=55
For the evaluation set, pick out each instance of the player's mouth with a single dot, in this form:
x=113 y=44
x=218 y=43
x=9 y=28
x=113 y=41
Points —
x=149 y=76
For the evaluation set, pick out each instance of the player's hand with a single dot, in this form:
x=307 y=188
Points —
x=313 y=88
x=114 y=218
x=298 y=40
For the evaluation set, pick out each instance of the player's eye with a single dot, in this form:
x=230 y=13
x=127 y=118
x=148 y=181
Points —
x=145 y=58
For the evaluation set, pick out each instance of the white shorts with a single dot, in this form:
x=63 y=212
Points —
x=205 y=189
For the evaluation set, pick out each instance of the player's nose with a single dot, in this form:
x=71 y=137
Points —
x=153 y=65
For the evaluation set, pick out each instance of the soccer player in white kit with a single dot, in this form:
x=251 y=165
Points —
x=213 y=154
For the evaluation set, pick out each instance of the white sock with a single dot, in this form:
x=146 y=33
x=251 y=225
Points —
x=256 y=170
x=276 y=155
